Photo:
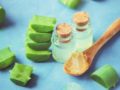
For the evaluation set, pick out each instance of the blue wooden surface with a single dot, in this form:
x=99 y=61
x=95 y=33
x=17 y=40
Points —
x=50 y=75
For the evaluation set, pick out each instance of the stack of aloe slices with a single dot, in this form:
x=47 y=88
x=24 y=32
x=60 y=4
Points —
x=38 y=38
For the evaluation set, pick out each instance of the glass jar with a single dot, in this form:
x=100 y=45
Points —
x=83 y=34
x=62 y=41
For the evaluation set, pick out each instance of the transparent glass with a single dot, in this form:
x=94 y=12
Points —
x=83 y=39
x=61 y=51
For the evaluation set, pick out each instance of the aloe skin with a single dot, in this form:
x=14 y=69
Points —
x=2 y=15
x=70 y=3
x=38 y=37
x=43 y=24
x=37 y=46
x=106 y=76
x=7 y=57
x=38 y=56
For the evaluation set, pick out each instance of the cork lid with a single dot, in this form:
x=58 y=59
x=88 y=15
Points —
x=81 y=18
x=64 y=30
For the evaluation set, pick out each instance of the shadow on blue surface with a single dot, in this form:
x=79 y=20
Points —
x=117 y=86
x=5 y=70
x=33 y=82
x=8 y=23
x=81 y=5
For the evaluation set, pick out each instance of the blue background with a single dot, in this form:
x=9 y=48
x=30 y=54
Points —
x=50 y=75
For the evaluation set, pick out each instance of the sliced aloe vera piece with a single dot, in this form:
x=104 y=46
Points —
x=19 y=79
x=20 y=74
x=106 y=76
x=43 y=24
x=37 y=46
x=7 y=57
x=70 y=3
x=2 y=14
x=37 y=56
x=39 y=37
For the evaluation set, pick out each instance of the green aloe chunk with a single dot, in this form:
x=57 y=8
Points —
x=2 y=14
x=43 y=24
x=39 y=37
x=37 y=46
x=19 y=79
x=7 y=57
x=21 y=74
x=70 y=3
x=37 y=56
x=72 y=86
x=106 y=76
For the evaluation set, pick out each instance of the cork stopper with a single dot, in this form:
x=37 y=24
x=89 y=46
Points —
x=81 y=18
x=64 y=30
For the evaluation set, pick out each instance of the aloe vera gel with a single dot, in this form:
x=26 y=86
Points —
x=62 y=43
x=83 y=35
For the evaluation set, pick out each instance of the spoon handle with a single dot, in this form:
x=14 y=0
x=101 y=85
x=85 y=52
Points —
x=111 y=31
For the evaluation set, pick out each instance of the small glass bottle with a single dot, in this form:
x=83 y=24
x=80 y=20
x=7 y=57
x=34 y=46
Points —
x=83 y=34
x=62 y=43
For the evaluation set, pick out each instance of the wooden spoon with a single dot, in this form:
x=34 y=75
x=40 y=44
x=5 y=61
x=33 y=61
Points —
x=80 y=62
